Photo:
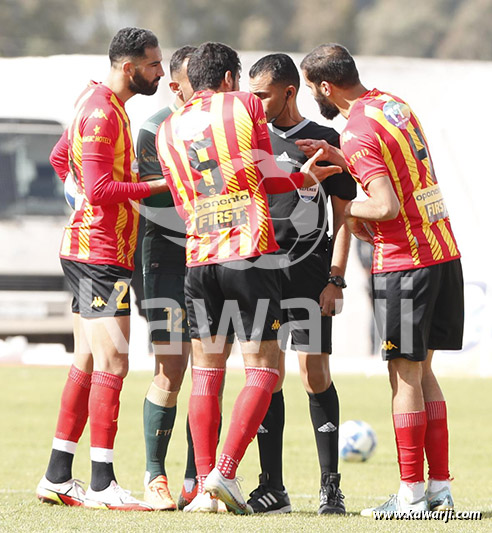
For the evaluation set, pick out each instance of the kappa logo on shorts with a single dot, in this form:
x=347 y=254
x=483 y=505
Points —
x=98 y=302
x=276 y=325
x=388 y=345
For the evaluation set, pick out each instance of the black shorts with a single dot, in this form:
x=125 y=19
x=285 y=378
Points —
x=98 y=290
x=164 y=306
x=305 y=280
x=249 y=297
x=419 y=310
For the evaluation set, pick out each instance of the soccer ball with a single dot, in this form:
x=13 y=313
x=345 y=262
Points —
x=356 y=441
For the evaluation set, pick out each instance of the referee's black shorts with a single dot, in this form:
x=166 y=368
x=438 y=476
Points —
x=419 y=310
x=304 y=281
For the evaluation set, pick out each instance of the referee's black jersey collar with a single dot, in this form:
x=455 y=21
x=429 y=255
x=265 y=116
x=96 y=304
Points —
x=291 y=131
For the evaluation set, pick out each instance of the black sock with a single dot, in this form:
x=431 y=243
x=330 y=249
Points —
x=219 y=430
x=60 y=466
x=325 y=416
x=190 y=472
x=270 y=440
x=102 y=475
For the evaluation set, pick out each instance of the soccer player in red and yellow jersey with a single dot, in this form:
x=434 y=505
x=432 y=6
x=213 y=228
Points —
x=417 y=277
x=97 y=258
x=216 y=155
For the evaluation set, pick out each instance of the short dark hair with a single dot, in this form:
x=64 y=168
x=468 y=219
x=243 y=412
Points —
x=209 y=64
x=332 y=63
x=131 y=42
x=178 y=58
x=281 y=68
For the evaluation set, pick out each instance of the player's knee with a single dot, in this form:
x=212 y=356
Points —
x=118 y=369
x=170 y=379
x=316 y=383
x=315 y=372
x=404 y=371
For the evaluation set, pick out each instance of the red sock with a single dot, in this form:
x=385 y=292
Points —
x=74 y=408
x=249 y=411
x=104 y=406
x=410 y=435
x=436 y=440
x=204 y=416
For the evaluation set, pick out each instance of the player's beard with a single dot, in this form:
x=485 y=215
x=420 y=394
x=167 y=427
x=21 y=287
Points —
x=326 y=108
x=139 y=85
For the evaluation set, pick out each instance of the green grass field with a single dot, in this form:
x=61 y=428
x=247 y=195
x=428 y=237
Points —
x=29 y=400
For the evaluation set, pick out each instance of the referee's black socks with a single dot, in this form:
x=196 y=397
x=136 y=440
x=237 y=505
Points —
x=325 y=416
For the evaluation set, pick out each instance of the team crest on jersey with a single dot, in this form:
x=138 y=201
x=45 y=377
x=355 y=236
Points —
x=134 y=166
x=189 y=125
x=397 y=113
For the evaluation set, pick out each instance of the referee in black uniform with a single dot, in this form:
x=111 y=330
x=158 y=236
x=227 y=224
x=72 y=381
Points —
x=313 y=265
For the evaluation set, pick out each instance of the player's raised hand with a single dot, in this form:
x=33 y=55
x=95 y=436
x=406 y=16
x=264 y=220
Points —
x=313 y=173
x=330 y=153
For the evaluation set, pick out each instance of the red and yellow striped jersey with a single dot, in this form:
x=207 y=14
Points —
x=207 y=153
x=98 y=149
x=384 y=137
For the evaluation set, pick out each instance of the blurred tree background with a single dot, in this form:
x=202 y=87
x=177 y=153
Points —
x=452 y=29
